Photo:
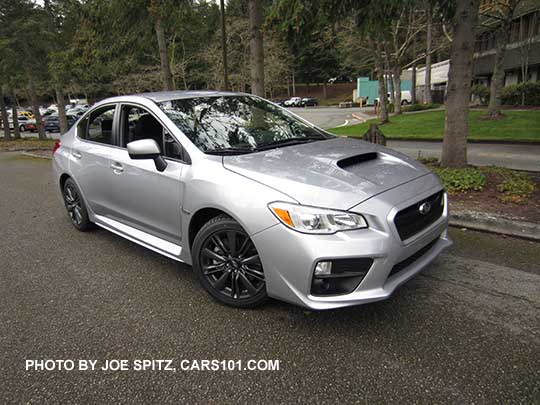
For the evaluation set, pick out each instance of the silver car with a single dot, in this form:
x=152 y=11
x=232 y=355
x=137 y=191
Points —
x=260 y=202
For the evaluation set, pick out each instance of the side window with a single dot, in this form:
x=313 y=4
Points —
x=172 y=148
x=98 y=126
x=137 y=124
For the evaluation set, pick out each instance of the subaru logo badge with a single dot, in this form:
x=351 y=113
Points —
x=424 y=208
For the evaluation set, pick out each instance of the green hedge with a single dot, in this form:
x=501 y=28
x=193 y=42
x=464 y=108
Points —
x=420 y=107
x=512 y=95
x=481 y=91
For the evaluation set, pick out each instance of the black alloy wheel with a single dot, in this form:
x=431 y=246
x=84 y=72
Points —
x=228 y=263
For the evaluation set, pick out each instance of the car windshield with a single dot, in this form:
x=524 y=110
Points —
x=237 y=124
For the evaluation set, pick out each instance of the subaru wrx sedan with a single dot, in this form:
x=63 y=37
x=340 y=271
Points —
x=260 y=202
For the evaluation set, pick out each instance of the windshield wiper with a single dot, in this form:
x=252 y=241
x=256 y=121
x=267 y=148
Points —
x=229 y=151
x=297 y=140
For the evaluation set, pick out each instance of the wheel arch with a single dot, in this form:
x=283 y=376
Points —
x=201 y=217
x=63 y=179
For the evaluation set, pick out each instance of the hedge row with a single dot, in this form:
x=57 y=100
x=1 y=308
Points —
x=514 y=94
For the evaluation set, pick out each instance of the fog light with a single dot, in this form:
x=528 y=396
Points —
x=323 y=269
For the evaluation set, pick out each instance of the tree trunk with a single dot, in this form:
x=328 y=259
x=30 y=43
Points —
x=502 y=37
x=397 y=89
x=61 y=103
x=379 y=64
x=293 y=84
x=427 y=81
x=413 y=76
x=3 y=112
x=256 y=48
x=224 y=46
x=456 y=129
x=164 y=56
x=324 y=91
x=392 y=91
x=16 y=132
x=35 y=108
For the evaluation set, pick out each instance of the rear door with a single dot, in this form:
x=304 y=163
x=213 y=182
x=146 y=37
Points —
x=89 y=157
x=143 y=197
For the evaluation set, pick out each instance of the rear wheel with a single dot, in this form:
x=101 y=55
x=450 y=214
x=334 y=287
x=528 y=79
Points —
x=75 y=206
x=228 y=264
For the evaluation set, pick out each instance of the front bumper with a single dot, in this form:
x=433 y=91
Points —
x=289 y=257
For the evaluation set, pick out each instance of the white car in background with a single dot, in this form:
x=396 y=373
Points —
x=405 y=97
x=293 y=102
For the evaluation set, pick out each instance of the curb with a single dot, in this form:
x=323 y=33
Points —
x=30 y=154
x=495 y=224
x=359 y=118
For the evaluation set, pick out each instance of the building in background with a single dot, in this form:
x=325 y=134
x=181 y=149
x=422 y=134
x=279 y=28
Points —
x=439 y=77
x=521 y=60
x=522 y=57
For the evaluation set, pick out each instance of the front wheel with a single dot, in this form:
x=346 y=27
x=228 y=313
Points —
x=22 y=128
x=228 y=264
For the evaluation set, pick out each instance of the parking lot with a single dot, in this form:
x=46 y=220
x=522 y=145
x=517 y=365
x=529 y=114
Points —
x=466 y=330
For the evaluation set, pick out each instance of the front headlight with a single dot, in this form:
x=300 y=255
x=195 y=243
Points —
x=316 y=220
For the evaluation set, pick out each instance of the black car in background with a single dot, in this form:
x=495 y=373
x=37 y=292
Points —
x=52 y=123
x=309 y=102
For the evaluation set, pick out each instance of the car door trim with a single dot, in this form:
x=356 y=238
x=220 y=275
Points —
x=142 y=238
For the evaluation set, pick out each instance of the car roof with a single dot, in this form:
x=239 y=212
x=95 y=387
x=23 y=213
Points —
x=161 y=96
x=174 y=95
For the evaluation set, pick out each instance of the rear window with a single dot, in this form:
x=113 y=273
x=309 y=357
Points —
x=98 y=126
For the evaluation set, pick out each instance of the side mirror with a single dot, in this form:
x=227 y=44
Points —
x=147 y=149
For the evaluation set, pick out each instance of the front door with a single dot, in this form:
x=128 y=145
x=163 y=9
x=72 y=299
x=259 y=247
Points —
x=142 y=197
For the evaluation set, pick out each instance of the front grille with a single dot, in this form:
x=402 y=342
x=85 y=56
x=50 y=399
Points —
x=410 y=220
x=412 y=258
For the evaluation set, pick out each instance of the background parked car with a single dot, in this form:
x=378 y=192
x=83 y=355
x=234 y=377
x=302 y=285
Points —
x=52 y=123
x=77 y=111
x=26 y=114
x=405 y=97
x=279 y=101
x=309 y=102
x=25 y=123
x=293 y=102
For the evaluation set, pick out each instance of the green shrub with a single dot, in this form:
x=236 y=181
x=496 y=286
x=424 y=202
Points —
x=512 y=95
x=420 y=107
x=517 y=187
x=461 y=180
x=481 y=91
x=430 y=161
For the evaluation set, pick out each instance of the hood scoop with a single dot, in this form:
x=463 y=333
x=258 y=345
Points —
x=356 y=160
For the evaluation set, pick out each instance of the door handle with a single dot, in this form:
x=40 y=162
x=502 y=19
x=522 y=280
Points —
x=117 y=167
x=76 y=154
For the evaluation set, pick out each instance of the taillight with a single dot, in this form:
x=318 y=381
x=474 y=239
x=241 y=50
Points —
x=57 y=145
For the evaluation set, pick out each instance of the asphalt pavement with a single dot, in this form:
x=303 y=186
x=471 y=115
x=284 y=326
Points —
x=466 y=330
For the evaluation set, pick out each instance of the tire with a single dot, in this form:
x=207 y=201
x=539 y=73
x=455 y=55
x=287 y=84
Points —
x=404 y=102
x=75 y=206
x=231 y=273
x=22 y=128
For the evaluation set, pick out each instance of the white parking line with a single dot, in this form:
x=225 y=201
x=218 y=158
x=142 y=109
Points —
x=344 y=124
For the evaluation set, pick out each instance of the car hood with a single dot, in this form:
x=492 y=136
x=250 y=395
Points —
x=336 y=173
